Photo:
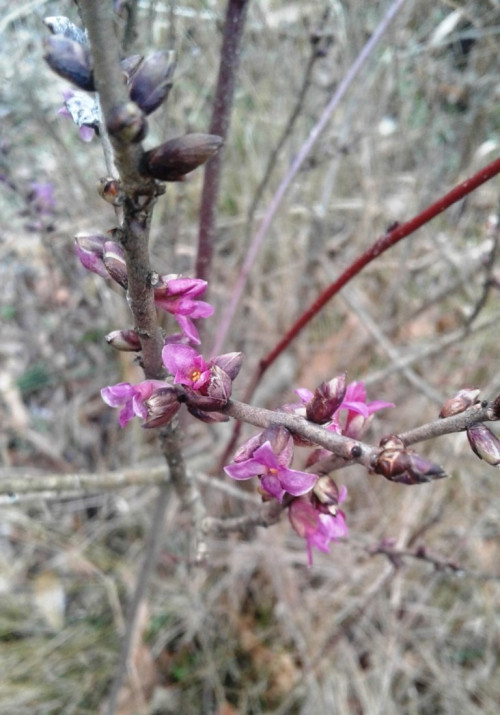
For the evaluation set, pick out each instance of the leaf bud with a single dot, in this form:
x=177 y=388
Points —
x=110 y=190
x=124 y=340
x=460 y=402
x=127 y=123
x=485 y=444
x=70 y=60
x=208 y=417
x=150 y=84
x=174 y=159
x=326 y=400
x=406 y=467
x=114 y=260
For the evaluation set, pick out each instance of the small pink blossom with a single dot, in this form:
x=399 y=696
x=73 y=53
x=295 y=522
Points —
x=317 y=527
x=178 y=296
x=186 y=365
x=276 y=477
x=132 y=397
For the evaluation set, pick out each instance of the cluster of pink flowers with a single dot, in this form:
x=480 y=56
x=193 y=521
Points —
x=312 y=500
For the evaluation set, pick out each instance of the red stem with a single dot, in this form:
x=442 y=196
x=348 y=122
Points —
x=381 y=244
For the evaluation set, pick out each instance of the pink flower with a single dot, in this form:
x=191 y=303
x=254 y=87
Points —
x=187 y=367
x=276 y=477
x=316 y=526
x=358 y=409
x=132 y=397
x=177 y=296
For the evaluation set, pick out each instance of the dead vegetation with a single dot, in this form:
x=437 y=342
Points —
x=257 y=631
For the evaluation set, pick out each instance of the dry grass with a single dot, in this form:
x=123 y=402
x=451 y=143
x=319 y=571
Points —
x=258 y=631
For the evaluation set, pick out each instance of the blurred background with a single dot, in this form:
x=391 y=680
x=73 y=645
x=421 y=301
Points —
x=256 y=630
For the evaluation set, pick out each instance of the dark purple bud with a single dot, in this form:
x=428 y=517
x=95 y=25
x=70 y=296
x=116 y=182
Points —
x=176 y=158
x=114 y=260
x=326 y=400
x=406 y=467
x=130 y=65
x=90 y=250
x=460 y=402
x=70 y=60
x=161 y=406
x=150 y=84
x=124 y=340
x=485 y=444
x=110 y=190
x=127 y=123
x=230 y=363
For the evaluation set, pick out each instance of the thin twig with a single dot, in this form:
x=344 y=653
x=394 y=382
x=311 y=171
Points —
x=314 y=135
x=229 y=62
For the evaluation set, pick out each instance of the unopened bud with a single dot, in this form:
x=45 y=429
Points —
x=90 y=250
x=70 y=60
x=326 y=400
x=110 y=190
x=114 y=260
x=176 y=158
x=161 y=406
x=460 y=402
x=327 y=493
x=230 y=362
x=392 y=441
x=406 y=467
x=130 y=65
x=127 y=123
x=485 y=444
x=215 y=394
x=150 y=84
x=124 y=340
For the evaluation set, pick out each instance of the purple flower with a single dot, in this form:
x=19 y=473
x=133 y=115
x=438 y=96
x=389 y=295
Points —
x=187 y=367
x=83 y=110
x=178 y=296
x=316 y=526
x=276 y=477
x=132 y=397
x=358 y=409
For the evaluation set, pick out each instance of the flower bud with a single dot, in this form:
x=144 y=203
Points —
x=485 y=444
x=127 y=123
x=214 y=395
x=124 y=340
x=176 y=158
x=460 y=402
x=161 y=406
x=70 y=60
x=326 y=400
x=90 y=250
x=229 y=362
x=392 y=441
x=327 y=493
x=406 y=467
x=114 y=260
x=110 y=190
x=150 y=84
